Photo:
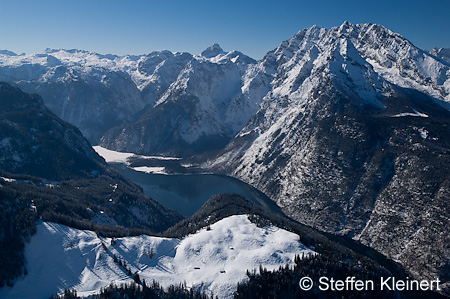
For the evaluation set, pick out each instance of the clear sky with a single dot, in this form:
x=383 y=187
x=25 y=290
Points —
x=253 y=27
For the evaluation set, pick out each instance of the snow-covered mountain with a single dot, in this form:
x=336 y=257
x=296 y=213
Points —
x=352 y=138
x=442 y=53
x=202 y=109
x=93 y=92
x=346 y=128
x=213 y=260
x=98 y=92
x=221 y=90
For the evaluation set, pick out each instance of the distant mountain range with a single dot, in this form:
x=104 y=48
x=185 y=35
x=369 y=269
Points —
x=347 y=128
x=217 y=91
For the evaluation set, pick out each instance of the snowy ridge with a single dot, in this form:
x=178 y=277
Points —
x=315 y=147
x=213 y=260
x=209 y=101
x=88 y=89
x=36 y=65
x=220 y=91
x=389 y=54
x=365 y=62
x=442 y=53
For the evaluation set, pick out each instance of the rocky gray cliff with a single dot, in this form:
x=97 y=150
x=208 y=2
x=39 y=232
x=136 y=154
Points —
x=352 y=139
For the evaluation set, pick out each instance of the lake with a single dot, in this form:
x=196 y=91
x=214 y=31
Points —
x=188 y=192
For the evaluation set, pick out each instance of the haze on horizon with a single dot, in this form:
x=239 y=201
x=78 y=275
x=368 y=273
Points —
x=252 y=27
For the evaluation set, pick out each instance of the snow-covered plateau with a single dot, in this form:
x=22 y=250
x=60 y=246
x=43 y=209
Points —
x=213 y=260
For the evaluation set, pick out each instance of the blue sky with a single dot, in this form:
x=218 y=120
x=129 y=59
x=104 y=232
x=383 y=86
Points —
x=253 y=27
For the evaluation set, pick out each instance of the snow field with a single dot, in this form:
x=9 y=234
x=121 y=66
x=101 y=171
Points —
x=111 y=156
x=214 y=259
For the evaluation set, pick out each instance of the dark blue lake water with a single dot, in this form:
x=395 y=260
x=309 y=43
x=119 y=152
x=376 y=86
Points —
x=187 y=193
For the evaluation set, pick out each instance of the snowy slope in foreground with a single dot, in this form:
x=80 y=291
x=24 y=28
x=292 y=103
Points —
x=60 y=257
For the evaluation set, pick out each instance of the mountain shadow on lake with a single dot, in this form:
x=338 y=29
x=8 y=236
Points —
x=187 y=193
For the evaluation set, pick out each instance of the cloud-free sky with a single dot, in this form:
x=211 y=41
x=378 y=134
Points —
x=253 y=27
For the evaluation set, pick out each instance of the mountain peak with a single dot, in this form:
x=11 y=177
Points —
x=346 y=24
x=212 y=51
x=346 y=27
x=9 y=53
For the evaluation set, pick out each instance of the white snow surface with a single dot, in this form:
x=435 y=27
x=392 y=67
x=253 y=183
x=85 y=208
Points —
x=154 y=170
x=215 y=260
x=7 y=179
x=40 y=66
x=423 y=133
x=111 y=156
x=415 y=114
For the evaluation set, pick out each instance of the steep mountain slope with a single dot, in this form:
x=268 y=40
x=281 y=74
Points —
x=98 y=92
x=49 y=171
x=442 y=53
x=86 y=89
x=201 y=110
x=36 y=144
x=347 y=141
x=156 y=71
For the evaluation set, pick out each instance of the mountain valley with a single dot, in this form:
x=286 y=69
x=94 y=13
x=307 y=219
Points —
x=345 y=129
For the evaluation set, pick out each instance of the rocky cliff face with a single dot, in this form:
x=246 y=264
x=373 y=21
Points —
x=91 y=91
x=201 y=110
x=352 y=139
x=100 y=92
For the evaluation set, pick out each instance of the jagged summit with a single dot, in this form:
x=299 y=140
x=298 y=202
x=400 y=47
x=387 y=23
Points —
x=345 y=107
x=345 y=26
x=212 y=51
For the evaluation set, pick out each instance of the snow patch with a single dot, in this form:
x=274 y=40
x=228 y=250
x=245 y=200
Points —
x=8 y=179
x=111 y=156
x=415 y=114
x=154 y=170
x=423 y=133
